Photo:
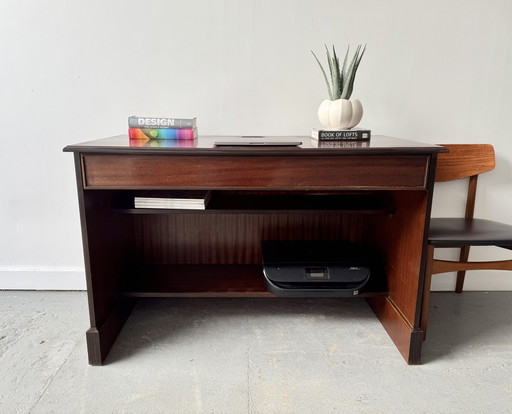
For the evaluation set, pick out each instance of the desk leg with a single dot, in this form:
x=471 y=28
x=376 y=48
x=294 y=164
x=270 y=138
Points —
x=426 y=291
x=108 y=246
x=407 y=339
x=402 y=239
x=100 y=339
x=108 y=250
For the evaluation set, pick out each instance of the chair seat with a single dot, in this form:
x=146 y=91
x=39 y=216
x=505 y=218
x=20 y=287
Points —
x=458 y=232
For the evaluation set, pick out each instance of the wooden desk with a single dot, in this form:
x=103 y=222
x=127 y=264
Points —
x=377 y=194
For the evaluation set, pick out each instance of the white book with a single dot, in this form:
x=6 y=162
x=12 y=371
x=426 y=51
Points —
x=173 y=199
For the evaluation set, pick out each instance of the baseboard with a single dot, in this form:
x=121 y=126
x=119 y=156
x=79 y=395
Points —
x=54 y=279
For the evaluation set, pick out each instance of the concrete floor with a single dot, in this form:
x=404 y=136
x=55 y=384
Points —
x=254 y=356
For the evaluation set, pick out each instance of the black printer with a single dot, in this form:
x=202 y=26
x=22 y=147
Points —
x=314 y=268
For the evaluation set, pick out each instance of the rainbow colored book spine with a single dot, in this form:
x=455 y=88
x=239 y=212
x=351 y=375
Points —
x=162 y=143
x=162 y=133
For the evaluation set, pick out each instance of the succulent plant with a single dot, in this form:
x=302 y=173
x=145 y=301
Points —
x=342 y=78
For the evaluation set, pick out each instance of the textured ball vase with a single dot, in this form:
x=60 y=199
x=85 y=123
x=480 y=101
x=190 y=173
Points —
x=340 y=113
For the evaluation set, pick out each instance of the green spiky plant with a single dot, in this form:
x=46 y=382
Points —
x=342 y=78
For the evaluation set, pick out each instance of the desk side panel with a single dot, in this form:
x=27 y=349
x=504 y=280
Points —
x=401 y=239
x=106 y=238
x=255 y=172
x=405 y=251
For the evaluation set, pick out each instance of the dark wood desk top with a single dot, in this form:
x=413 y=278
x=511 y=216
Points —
x=206 y=145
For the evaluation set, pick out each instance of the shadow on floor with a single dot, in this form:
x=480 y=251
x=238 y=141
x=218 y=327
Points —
x=169 y=323
x=458 y=323
x=461 y=322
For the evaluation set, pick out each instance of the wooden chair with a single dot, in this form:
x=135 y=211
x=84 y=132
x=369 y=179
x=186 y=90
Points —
x=463 y=161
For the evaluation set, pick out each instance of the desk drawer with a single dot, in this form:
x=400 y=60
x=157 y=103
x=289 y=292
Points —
x=105 y=171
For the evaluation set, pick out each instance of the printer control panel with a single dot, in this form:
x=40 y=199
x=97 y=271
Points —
x=317 y=273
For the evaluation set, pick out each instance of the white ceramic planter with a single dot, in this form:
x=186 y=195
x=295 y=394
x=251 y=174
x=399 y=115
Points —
x=340 y=114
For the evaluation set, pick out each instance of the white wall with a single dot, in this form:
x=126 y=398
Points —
x=71 y=71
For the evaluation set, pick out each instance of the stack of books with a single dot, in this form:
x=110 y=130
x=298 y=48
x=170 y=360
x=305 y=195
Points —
x=162 y=128
x=179 y=199
x=354 y=134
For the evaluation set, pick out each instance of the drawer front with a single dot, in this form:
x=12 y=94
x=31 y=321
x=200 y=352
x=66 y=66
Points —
x=105 y=171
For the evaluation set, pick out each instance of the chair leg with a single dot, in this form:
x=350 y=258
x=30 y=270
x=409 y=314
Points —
x=426 y=291
x=461 y=275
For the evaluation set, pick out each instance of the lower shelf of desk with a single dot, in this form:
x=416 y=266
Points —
x=206 y=281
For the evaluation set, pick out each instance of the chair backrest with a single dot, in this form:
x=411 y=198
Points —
x=465 y=160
